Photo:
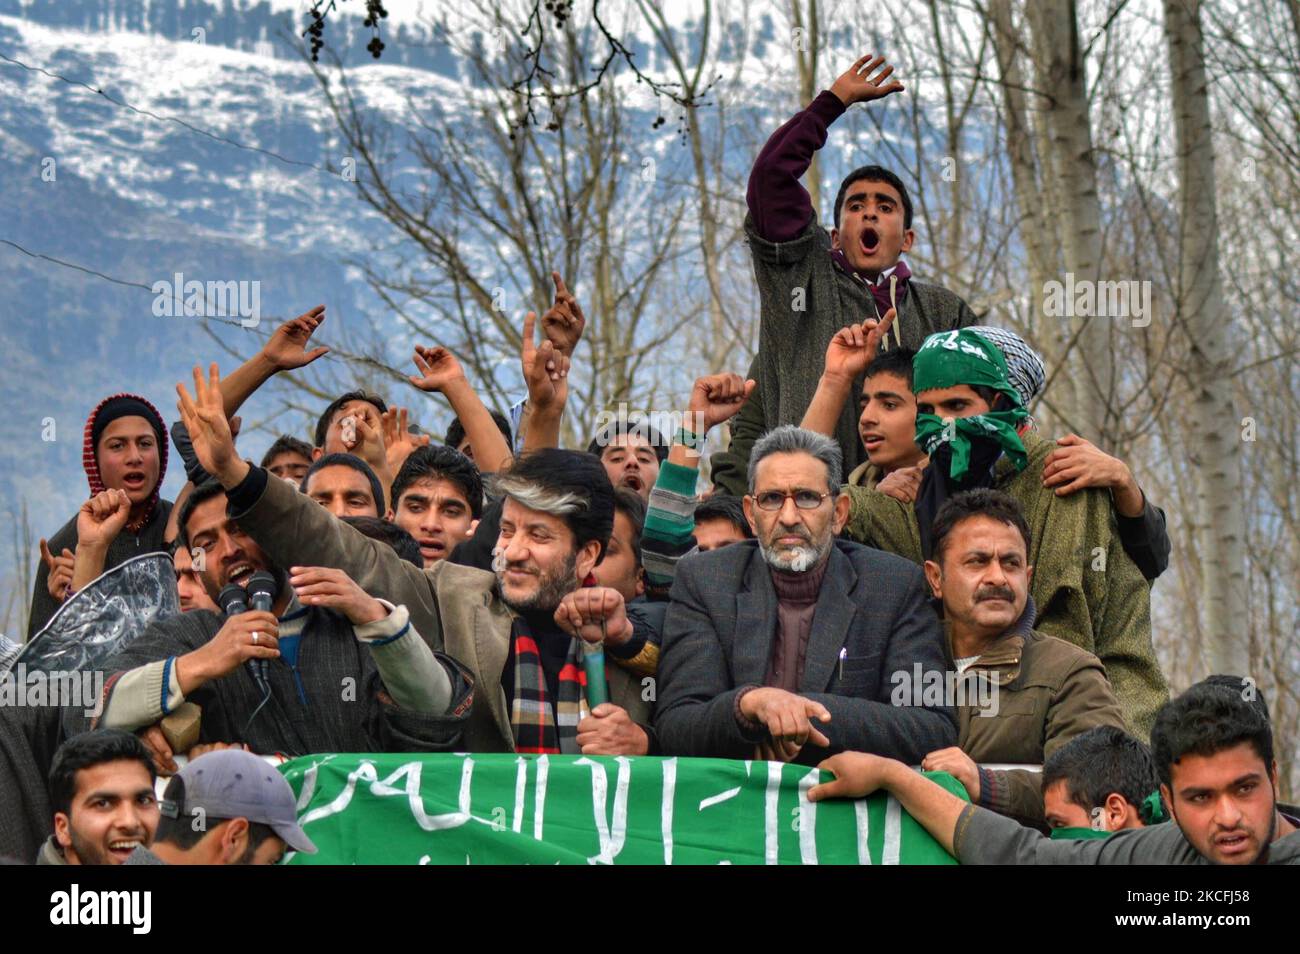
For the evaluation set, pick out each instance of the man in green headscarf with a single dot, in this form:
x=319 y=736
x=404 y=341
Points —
x=973 y=425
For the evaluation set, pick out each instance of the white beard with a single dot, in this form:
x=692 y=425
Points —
x=795 y=559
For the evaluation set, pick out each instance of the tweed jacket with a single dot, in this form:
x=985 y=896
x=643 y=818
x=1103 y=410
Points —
x=873 y=634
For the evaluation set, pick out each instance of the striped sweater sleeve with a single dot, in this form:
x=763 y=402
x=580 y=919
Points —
x=669 y=523
x=141 y=696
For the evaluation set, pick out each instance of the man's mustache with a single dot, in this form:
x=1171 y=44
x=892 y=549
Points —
x=500 y=564
x=996 y=593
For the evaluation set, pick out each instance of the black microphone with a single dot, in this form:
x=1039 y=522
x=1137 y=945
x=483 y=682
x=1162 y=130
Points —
x=263 y=588
x=233 y=600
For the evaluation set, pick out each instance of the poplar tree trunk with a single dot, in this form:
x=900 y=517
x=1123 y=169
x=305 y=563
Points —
x=805 y=53
x=1209 y=325
x=1036 y=231
x=1062 y=80
x=955 y=221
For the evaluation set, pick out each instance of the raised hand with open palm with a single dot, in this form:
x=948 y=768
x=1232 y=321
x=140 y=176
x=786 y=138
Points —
x=286 y=349
x=205 y=418
x=857 y=84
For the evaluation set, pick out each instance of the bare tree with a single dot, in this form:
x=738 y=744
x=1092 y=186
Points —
x=717 y=193
x=805 y=18
x=1209 y=327
x=1061 y=79
x=1034 y=224
x=575 y=191
x=18 y=601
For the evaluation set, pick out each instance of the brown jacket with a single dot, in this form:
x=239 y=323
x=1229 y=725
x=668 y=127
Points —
x=457 y=609
x=1047 y=692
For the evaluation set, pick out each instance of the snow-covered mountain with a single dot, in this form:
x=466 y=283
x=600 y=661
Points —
x=193 y=188
x=209 y=153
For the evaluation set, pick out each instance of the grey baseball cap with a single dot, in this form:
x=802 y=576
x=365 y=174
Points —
x=232 y=783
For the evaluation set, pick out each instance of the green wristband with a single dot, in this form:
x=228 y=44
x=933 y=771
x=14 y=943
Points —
x=690 y=439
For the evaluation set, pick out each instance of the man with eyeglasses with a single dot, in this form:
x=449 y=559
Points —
x=796 y=645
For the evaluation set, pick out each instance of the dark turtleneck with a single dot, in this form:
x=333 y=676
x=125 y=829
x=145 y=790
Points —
x=796 y=595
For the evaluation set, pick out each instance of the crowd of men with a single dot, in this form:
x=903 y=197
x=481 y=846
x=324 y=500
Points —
x=892 y=569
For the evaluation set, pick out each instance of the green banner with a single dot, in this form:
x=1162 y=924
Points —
x=513 y=809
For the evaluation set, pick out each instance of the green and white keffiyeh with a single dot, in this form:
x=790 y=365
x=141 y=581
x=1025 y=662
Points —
x=953 y=358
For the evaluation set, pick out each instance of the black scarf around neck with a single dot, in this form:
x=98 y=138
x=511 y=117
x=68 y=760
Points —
x=937 y=486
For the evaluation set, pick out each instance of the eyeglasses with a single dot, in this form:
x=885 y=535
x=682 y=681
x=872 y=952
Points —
x=775 y=499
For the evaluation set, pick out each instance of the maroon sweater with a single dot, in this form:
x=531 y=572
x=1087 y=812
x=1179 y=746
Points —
x=796 y=595
x=780 y=208
x=778 y=205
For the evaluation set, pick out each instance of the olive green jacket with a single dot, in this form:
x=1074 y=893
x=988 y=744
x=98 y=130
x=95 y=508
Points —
x=865 y=475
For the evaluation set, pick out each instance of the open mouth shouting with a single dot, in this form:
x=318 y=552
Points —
x=632 y=482
x=134 y=481
x=869 y=241
x=432 y=549
x=239 y=572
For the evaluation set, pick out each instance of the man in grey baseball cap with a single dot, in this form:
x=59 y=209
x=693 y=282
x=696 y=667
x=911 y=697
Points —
x=228 y=807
